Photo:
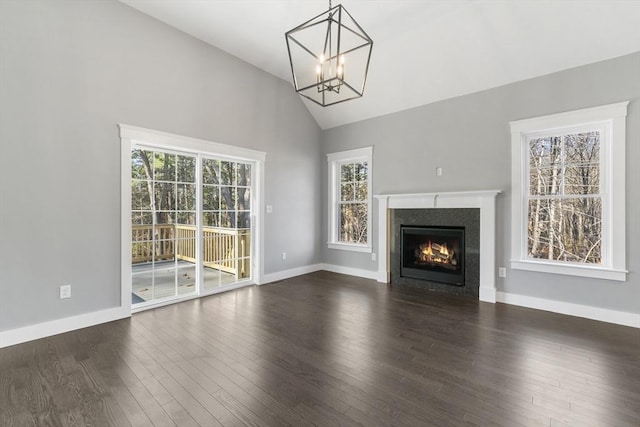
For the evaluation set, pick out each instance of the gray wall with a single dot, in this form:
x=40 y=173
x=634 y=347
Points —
x=69 y=72
x=469 y=137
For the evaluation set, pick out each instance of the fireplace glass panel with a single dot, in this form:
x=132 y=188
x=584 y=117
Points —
x=433 y=253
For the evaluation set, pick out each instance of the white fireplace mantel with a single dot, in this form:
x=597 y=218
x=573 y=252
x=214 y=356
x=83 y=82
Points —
x=484 y=200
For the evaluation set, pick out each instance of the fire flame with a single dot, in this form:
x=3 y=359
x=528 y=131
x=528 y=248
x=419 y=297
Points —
x=427 y=251
x=436 y=253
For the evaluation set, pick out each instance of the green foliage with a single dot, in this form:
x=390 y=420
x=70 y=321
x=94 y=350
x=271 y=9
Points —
x=163 y=188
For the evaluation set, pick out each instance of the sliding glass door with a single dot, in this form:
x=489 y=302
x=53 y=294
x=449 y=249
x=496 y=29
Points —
x=191 y=231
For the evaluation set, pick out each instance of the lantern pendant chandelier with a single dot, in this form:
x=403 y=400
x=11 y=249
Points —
x=329 y=56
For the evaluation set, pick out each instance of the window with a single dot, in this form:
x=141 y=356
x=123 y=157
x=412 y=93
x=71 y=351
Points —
x=350 y=199
x=568 y=210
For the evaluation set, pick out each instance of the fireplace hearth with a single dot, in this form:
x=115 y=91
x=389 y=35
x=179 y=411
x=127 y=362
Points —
x=433 y=253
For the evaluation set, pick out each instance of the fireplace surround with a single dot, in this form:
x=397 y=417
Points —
x=437 y=221
x=483 y=200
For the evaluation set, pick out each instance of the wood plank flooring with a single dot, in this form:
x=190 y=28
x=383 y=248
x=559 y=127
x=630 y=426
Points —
x=328 y=350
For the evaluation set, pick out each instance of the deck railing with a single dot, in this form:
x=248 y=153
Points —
x=225 y=249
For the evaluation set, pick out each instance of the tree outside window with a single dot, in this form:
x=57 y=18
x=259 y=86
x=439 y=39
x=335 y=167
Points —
x=564 y=203
x=354 y=207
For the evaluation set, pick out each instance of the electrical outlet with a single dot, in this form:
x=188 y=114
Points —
x=502 y=272
x=269 y=209
x=284 y=256
x=438 y=171
x=65 y=291
x=373 y=256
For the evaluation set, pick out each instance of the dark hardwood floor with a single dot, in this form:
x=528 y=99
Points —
x=326 y=349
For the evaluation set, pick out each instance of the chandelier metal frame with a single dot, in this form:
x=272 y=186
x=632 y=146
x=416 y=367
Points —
x=335 y=58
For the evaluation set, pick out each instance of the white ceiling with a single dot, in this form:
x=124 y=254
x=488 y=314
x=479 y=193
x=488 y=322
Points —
x=424 y=50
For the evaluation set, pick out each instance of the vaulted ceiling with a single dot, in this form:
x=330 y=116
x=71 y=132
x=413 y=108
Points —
x=424 y=50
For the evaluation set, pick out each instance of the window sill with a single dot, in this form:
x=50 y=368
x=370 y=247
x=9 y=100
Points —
x=350 y=247
x=571 y=270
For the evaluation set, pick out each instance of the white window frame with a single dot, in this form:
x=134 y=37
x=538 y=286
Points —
x=334 y=160
x=611 y=119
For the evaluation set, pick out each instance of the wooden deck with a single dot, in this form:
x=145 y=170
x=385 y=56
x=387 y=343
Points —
x=326 y=349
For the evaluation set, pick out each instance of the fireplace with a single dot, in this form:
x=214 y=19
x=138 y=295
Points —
x=474 y=210
x=433 y=253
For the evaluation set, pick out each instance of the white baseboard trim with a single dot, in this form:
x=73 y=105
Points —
x=367 y=274
x=586 y=311
x=55 y=327
x=287 y=274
